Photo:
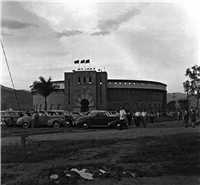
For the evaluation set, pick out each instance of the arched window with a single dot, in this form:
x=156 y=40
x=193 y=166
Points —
x=143 y=106
x=59 y=107
x=149 y=107
x=135 y=107
x=117 y=106
x=51 y=107
x=127 y=106
x=155 y=107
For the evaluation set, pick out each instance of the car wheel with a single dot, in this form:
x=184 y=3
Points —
x=4 y=124
x=117 y=125
x=25 y=125
x=67 y=123
x=126 y=122
x=86 y=125
x=56 y=124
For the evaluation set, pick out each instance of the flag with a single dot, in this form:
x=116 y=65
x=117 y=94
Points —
x=82 y=61
x=76 y=62
x=87 y=61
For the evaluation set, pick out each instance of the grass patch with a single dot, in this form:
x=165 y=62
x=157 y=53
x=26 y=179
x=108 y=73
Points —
x=146 y=156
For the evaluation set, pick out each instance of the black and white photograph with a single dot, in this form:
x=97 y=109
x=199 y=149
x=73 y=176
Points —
x=100 y=92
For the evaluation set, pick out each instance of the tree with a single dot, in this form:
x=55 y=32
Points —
x=192 y=85
x=43 y=87
x=183 y=104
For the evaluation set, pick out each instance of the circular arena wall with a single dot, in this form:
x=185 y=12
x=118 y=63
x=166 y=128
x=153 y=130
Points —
x=136 y=94
x=131 y=94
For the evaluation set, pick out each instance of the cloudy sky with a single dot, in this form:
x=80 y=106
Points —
x=130 y=40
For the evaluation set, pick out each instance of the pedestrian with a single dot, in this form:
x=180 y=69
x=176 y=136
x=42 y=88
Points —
x=186 y=117
x=143 y=116
x=122 y=117
x=193 y=118
x=151 y=117
x=178 y=115
x=129 y=117
x=134 y=118
x=137 y=117
x=34 y=119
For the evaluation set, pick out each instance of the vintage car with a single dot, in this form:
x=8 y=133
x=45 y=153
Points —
x=114 y=113
x=9 y=118
x=44 y=118
x=68 y=116
x=98 y=118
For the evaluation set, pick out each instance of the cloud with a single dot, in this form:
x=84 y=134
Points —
x=107 y=25
x=52 y=54
x=13 y=24
x=5 y=34
x=101 y=33
x=67 y=33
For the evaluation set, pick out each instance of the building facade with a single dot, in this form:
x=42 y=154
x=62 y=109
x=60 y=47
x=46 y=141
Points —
x=84 y=90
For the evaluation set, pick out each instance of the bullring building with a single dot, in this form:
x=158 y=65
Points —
x=90 y=89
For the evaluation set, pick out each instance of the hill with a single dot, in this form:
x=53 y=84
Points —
x=182 y=96
x=178 y=96
x=8 y=99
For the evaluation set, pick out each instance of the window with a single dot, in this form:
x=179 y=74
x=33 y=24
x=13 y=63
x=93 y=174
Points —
x=100 y=81
x=84 y=79
x=79 y=80
x=90 y=79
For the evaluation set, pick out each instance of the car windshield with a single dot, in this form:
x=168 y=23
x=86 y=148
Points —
x=9 y=113
x=51 y=113
x=94 y=113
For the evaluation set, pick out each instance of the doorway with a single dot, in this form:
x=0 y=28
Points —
x=84 y=105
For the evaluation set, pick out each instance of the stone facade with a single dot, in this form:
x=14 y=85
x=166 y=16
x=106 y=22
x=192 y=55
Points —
x=84 y=90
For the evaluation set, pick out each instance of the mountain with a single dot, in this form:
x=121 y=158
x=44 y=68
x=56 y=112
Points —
x=9 y=100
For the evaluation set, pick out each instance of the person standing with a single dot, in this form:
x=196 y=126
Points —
x=129 y=117
x=137 y=117
x=143 y=116
x=34 y=119
x=122 y=117
x=151 y=117
x=186 y=117
x=193 y=118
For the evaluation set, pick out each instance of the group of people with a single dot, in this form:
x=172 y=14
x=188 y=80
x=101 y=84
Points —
x=189 y=114
x=139 y=117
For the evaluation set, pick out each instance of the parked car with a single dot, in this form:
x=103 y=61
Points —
x=76 y=115
x=98 y=118
x=9 y=118
x=44 y=119
x=114 y=113
x=68 y=116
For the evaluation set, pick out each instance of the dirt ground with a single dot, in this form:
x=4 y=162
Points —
x=110 y=155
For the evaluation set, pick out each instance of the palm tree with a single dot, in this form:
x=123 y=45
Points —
x=43 y=87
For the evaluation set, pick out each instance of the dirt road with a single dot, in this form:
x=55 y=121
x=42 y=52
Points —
x=38 y=172
x=157 y=129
